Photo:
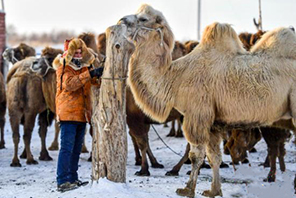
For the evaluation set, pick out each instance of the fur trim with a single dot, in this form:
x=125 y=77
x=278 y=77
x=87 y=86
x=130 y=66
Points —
x=87 y=57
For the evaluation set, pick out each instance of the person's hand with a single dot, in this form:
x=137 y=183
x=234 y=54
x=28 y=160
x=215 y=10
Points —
x=98 y=72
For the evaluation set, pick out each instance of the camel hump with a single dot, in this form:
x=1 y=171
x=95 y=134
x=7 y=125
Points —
x=223 y=37
x=280 y=42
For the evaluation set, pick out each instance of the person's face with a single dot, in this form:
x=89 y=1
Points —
x=78 y=53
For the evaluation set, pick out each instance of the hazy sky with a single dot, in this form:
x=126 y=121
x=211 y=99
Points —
x=96 y=15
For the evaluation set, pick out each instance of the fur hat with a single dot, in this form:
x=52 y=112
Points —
x=72 y=45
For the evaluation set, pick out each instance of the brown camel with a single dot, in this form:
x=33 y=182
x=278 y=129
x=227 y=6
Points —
x=11 y=55
x=25 y=100
x=101 y=45
x=275 y=138
x=218 y=82
x=2 y=110
x=19 y=53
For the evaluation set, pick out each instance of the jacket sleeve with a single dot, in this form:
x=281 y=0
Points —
x=72 y=82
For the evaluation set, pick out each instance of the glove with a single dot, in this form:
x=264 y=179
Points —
x=98 y=72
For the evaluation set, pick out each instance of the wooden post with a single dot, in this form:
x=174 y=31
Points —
x=109 y=118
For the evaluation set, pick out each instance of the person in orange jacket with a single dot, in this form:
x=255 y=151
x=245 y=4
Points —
x=73 y=107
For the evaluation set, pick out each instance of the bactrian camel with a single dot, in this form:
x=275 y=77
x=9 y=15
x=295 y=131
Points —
x=25 y=100
x=218 y=82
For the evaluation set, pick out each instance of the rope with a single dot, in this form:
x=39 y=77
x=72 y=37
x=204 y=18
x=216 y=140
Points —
x=164 y=142
x=120 y=78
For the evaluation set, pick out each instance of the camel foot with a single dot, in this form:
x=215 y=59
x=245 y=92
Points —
x=157 y=165
x=253 y=150
x=165 y=125
x=2 y=145
x=45 y=157
x=204 y=165
x=187 y=162
x=31 y=162
x=185 y=192
x=209 y=193
x=23 y=155
x=89 y=159
x=15 y=164
x=179 y=134
x=265 y=165
x=171 y=133
x=270 y=178
x=245 y=161
x=54 y=147
x=172 y=173
x=142 y=173
x=224 y=165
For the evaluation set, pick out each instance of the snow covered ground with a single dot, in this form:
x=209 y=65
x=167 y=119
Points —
x=39 y=181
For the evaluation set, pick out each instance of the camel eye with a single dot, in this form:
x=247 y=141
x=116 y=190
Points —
x=143 y=19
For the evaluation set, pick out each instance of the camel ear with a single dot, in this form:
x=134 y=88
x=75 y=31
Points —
x=158 y=19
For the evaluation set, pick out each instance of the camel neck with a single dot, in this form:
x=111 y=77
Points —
x=149 y=82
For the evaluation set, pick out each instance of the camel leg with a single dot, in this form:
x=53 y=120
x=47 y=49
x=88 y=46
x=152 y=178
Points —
x=138 y=157
x=196 y=155
x=273 y=153
x=295 y=183
x=282 y=153
x=215 y=159
x=266 y=162
x=179 y=132
x=2 y=142
x=55 y=144
x=165 y=125
x=15 y=122
x=28 y=128
x=177 y=167
x=91 y=134
x=24 y=153
x=43 y=124
x=173 y=130
x=142 y=143
x=153 y=160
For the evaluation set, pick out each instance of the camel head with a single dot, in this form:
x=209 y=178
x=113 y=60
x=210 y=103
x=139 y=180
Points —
x=148 y=19
x=21 y=52
x=91 y=44
x=222 y=37
x=44 y=63
x=240 y=141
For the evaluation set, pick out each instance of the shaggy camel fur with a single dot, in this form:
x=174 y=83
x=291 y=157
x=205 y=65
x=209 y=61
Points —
x=139 y=125
x=217 y=82
x=25 y=100
x=19 y=53
x=2 y=110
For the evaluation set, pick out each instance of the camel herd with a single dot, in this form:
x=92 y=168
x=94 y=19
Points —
x=227 y=87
